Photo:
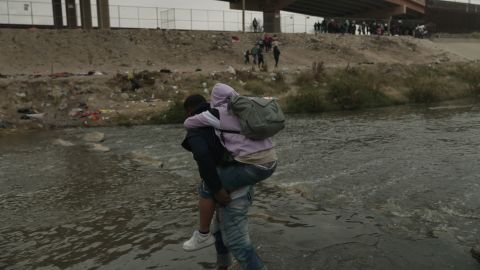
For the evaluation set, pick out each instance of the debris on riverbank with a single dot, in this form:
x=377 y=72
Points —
x=141 y=76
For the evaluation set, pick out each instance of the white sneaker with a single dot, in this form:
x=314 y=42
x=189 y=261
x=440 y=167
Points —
x=198 y=241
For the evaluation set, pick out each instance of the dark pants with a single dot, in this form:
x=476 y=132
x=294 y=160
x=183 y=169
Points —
x=260 y=61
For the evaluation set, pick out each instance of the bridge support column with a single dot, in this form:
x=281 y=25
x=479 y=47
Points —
x=71 y=13
x=271 y=21
x=86 y=14
x=103 y=14
x=57 y=13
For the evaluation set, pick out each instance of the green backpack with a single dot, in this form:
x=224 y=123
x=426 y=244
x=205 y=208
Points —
x=260 y=118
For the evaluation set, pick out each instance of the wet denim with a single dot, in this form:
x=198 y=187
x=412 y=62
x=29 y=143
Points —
x=232 y=237
x=231 y=222
x=236 y=176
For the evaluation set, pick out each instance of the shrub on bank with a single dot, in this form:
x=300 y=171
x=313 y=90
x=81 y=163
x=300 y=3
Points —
x=174 y=115
x=256 y=87
x=470 y=74
x=353 y=88
x=424 y=89
x=315 y=75
x=307 y=100
x=261 y=87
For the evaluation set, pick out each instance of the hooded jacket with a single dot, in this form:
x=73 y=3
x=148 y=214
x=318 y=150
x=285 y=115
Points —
x=237 y=144
x=207 y=151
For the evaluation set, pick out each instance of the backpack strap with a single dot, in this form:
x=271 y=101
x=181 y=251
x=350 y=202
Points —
x=222 y=131
x=216 y=113
x=229 y=131
x=228 y=157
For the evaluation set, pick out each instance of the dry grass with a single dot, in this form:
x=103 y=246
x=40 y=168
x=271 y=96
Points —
x=307 y=100
x=354 y=88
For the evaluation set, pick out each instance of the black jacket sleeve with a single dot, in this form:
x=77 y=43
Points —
x=205 y=161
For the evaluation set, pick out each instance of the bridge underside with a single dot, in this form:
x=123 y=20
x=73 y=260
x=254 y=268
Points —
x=371 y=9
x=354 y=8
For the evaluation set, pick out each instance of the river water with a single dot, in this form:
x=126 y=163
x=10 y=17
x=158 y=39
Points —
x=383 y=189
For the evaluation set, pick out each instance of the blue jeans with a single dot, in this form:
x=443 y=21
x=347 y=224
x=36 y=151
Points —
x=231 y=221
x=238 y=175
x=232 y=237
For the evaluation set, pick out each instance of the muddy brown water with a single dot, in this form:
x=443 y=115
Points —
x=382 y=189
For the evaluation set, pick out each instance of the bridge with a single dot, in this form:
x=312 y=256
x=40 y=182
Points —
x=380 y=9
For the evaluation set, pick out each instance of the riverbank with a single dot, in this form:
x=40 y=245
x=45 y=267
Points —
x=129 y=77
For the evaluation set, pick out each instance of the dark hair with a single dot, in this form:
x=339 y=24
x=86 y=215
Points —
x=193 y=101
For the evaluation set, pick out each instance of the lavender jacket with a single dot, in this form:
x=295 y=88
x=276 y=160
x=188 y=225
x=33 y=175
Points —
x=238 y=145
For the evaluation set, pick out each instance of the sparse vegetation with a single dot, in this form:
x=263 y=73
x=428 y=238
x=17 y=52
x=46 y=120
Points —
x=314 y=76
x=427 y=84
x=354 y=88
x=124 y=120
x=424 y=89
x=259 y=87
x=386 y=71
x=256 y=87
x=174 y=115
x=470 y=74
x=307 y=100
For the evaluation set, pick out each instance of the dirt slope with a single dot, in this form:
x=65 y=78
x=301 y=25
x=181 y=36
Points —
x=469 y=48
x=44 y=51
x=43 y=80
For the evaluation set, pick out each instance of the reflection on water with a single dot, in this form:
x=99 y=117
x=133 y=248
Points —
x=383 y=189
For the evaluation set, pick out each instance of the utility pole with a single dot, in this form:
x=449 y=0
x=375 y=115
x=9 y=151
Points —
x=243 y=16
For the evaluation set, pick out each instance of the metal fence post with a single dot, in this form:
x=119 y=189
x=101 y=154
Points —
x=31 y=12
x=119 y=20
x=191 y=19
x=243 y=16
x=223 y=16
x=8 y=12
x=156 y=14
x=138 y=17
x=293 y=24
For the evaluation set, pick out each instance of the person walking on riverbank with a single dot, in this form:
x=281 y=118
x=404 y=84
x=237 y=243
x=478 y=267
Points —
x=255 y=50
x=261 y=60
x=276 y=55
x=246 y=56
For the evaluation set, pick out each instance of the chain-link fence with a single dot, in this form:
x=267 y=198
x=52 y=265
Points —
x=196 y=19
x=28 y=12
x=41 y=14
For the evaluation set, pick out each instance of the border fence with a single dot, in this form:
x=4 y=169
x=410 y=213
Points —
x=452 y=17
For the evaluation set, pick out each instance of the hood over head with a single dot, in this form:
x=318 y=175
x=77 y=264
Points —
x=221 y=94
